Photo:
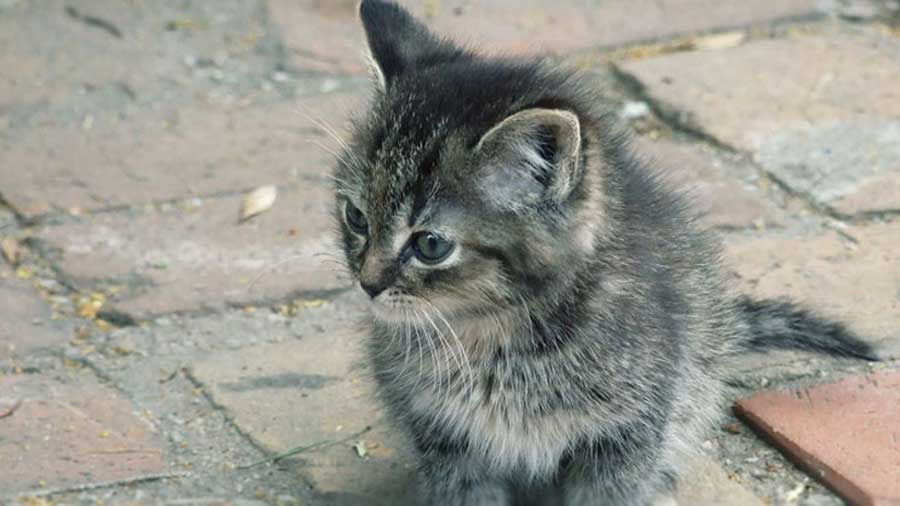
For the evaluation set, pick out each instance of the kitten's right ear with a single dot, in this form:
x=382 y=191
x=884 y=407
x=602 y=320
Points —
x=398 y=42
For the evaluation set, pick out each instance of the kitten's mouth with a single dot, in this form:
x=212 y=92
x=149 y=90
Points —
x=398 y=309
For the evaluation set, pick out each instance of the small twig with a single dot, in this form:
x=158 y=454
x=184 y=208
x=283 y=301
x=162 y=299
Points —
x=102 y=484
x=12 y=409
x=321 y=445
x=94 y=21
x=117 y=452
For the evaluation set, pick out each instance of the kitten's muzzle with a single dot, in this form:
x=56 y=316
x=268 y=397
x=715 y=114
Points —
x=377 y=273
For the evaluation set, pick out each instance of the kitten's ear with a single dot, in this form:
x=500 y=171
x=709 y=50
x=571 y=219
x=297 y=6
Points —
x=398 y=42
x=531 y=155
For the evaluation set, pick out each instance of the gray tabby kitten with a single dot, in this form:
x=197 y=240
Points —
x=549 y=323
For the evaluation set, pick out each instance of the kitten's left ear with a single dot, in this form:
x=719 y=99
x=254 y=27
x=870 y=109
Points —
x=531 y=155
x=398 y=42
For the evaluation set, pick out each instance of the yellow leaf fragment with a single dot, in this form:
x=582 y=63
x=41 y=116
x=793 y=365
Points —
x=719 y=40
x=11 y=250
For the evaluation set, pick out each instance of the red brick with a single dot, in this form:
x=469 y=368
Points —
x=846 y=434
x=194 y=258
x=66 y=435
x=148 y=156
x=325 y=35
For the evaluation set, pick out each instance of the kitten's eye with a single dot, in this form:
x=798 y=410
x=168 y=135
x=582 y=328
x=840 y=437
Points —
x=431 y=248
x=356 y=219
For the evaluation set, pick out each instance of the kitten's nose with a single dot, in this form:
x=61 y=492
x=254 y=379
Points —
x=373 y=289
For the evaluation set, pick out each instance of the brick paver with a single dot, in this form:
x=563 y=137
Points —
x=322 y=34
x=129 y=132
x=128 y=51
x=148 y=156
x=198 y=256
x=68 y=433
x=309 y=392
x=846 y=433
x=818 y=112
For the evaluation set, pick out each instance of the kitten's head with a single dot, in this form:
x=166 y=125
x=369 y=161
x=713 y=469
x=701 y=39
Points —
x=471 y=184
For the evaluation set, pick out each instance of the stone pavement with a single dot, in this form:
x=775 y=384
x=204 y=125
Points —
x=155 y=349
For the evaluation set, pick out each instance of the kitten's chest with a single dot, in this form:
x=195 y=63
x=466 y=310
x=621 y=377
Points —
x=498 y=425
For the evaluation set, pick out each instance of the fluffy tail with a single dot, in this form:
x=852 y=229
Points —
x=782 y=325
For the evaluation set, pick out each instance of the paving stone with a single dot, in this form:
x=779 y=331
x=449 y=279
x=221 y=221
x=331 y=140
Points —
x=130 y=159
x=852 y=166
x=198 y=256
x=71 y=433
x=721 y=185
x=818 y=112
x=134 y=48
x=324 y=35
x=309 y=391
x=856 y=282
x=844 y=434
x=27 y=322
x=707 y=484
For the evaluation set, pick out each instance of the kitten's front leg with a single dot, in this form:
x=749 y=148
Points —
x=455 y=481
x=619 y=471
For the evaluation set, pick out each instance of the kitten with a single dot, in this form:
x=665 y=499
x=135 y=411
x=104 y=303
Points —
x=549 y=323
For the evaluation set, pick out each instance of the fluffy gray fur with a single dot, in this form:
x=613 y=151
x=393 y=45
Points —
x=569 y=348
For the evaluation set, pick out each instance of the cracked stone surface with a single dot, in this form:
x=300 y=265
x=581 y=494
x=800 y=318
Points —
x=818 y=112
x=726 y=188
x=318 y=380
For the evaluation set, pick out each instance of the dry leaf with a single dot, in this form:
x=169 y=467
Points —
x=89 y=307
x=11 y=250
x=795 y=493
x=720 y=40
x=258 y=201
x=360 y=448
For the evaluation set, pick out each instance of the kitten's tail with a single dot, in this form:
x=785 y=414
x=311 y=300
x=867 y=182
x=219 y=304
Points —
x=776 y=324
